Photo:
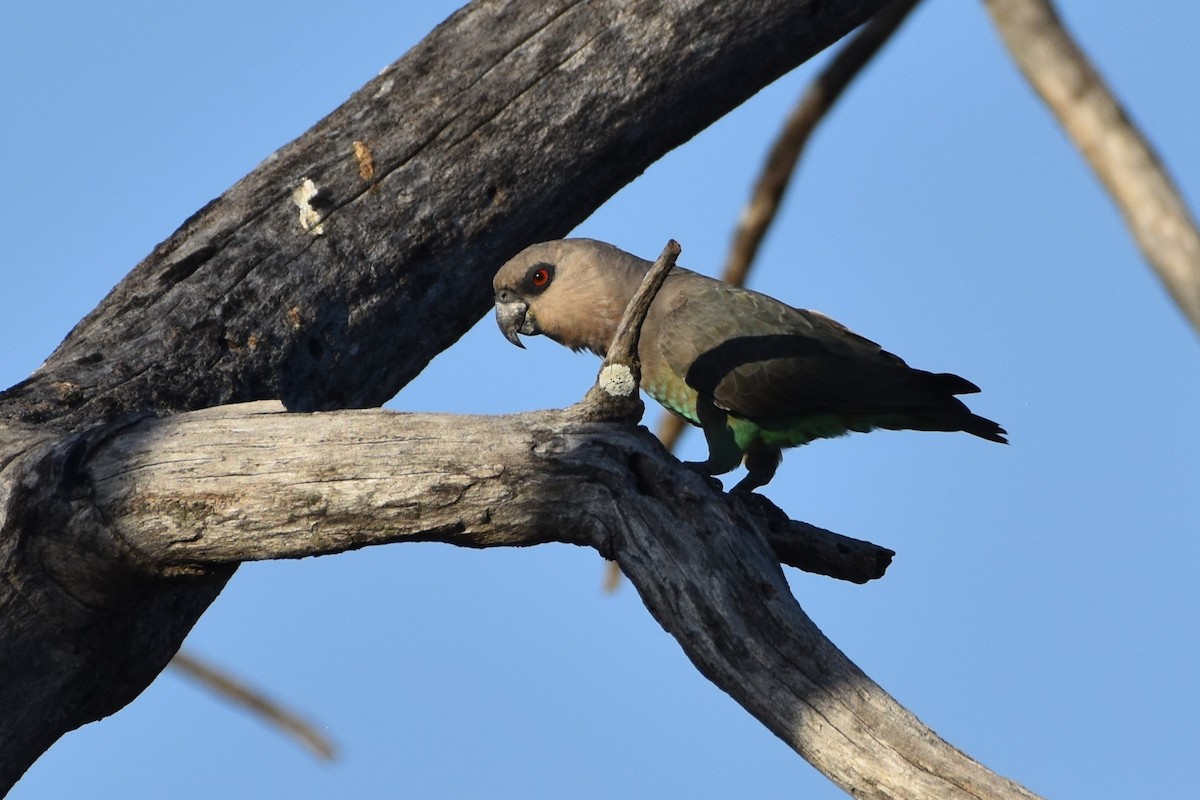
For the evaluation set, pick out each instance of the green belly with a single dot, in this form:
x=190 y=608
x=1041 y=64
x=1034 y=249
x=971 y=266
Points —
x=680 y=399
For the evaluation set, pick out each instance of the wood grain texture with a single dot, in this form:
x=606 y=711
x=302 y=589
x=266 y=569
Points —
x=248 y=482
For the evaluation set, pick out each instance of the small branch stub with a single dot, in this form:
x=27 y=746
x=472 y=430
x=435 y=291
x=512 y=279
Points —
x=614 y=397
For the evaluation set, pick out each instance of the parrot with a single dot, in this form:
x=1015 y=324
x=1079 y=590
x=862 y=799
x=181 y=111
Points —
x=753 y=373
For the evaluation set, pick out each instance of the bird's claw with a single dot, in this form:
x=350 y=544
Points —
x=701 y=469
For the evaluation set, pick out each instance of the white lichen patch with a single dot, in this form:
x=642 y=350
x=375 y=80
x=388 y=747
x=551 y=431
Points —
x=302 y=196
x=384 y=87
x=617 y=380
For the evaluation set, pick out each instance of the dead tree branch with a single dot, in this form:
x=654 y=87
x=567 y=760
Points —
x=221 y=486
x=814 y=106
x=615 y=396
x=182 y=498
x=256 y=702
x=1116 y=150
x=509 y=124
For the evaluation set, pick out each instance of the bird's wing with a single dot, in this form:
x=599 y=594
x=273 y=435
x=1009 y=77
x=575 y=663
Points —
x=761 y=359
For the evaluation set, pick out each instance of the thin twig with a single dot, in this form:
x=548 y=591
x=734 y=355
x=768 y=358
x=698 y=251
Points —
x=615 y=394
x=254 y=701
x=813 y=107
x=777 y=172
x=624 y=347
x=1116 y=150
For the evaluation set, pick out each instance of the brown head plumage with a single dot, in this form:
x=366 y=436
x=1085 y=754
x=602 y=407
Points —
x=572 y=290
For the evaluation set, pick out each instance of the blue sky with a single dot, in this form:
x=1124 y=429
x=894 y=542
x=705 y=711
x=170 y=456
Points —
x=1042 y=610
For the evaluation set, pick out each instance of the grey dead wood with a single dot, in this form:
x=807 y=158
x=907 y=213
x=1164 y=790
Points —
x=327 y=279
x=178 y=498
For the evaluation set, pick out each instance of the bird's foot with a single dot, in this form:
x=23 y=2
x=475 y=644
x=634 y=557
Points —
x=701 y=469
x=747 y=485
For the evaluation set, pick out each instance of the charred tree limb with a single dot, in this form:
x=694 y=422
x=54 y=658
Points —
x=334 y=272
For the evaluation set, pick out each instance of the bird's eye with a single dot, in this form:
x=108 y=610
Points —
x=538 y=277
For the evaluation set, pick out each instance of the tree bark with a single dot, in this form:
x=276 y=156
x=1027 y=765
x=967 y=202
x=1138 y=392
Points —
x=328 y=278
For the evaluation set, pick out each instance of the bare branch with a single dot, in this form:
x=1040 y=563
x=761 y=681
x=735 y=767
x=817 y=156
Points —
x=1117 y=151
x=812 y=549
x=328 y=278
x=624 y=347
x=813 y=107
x=255 y=702
x=714 y=585
x=247 y=482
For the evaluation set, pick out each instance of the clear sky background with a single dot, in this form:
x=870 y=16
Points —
x=1042 y=610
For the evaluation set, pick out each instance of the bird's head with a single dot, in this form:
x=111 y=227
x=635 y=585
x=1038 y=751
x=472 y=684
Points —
x=572 y=290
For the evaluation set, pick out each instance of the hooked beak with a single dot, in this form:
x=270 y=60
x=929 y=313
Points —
x=513 y=317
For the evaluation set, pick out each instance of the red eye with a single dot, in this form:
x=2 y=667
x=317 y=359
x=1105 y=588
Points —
x=540 y=278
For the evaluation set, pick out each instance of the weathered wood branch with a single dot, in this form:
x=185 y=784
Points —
x=183 y=498
x=614 y=397
x=217 y=487
x=115 y=540
x=726 y=602
x=1120 y=155
x=330 y=275
x=815 y=104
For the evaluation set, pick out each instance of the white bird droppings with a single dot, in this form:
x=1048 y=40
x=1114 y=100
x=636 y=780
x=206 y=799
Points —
x=310 y=220
x=617 y=380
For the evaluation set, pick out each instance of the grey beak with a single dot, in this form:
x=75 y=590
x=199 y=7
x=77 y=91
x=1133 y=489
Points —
x=511 y=317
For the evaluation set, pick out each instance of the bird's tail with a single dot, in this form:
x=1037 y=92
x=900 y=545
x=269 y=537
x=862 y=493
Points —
x=956 y=416
x=984 y=428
